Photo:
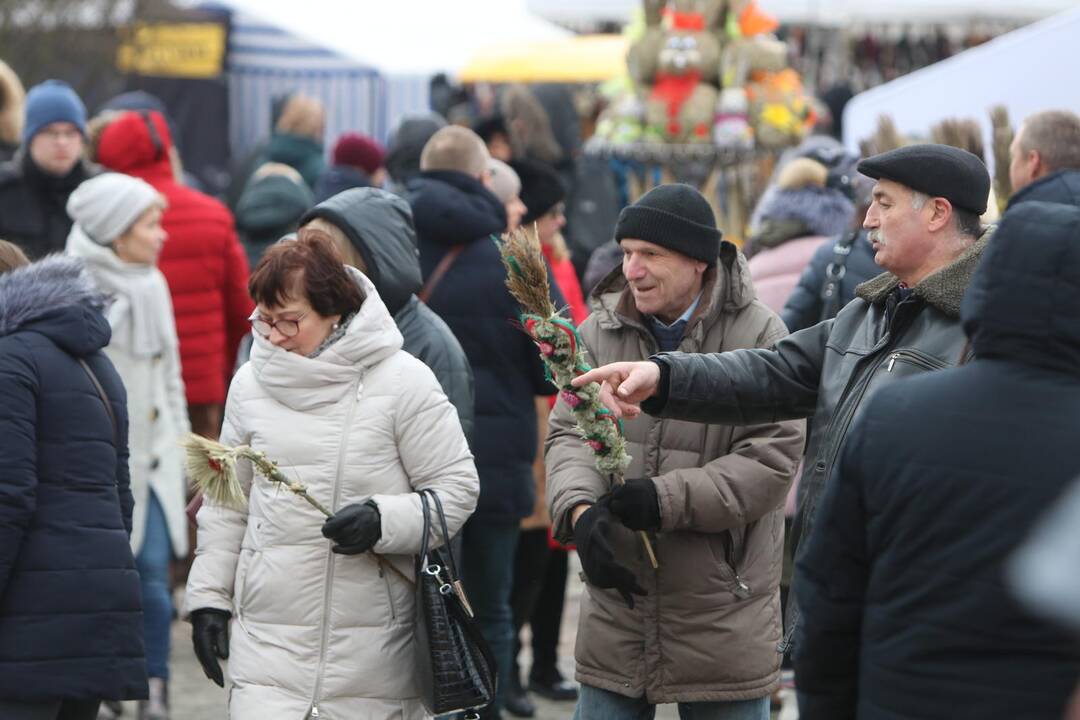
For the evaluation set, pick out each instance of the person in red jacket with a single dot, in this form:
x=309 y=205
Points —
x=541 y=564
x=203 y=263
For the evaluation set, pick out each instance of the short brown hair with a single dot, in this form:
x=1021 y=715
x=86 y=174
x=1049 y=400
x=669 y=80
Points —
x=1055 y=135
x=11 y=257
x=455 y=148
x=309 y=267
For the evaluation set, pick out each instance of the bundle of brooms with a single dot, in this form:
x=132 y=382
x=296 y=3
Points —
x=560 y=347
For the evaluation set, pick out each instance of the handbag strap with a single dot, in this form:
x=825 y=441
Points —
x=426 y=532
x=104 y=398
x=442 y=524
x=437 y=274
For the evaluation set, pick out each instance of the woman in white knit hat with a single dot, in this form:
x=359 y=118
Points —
x=117 y=231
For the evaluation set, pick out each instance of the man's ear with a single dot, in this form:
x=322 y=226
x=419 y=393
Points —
x=941 y=215
x=1038 y=167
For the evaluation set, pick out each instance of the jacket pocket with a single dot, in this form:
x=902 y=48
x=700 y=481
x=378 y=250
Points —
x=384 y=574
x=723 y=546
x=908 y=361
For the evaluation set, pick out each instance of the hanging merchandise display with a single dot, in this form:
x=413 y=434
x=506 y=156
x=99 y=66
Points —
x=712 y=99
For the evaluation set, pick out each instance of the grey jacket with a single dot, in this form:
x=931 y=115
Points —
x=380 y=225
x=826 y=371
x=708 y=629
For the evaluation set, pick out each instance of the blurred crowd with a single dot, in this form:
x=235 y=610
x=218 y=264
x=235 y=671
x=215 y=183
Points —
x=849 y=438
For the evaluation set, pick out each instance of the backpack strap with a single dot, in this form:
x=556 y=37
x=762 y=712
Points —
x=834 y=273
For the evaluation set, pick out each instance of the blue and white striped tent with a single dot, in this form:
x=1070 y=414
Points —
x=265 y=61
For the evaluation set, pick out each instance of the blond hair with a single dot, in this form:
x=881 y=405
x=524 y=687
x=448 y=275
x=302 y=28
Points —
x=11 y=257
x=275 y=168
x=303 y=116
x=12 y=104
x=327 y=231
x=455 y=148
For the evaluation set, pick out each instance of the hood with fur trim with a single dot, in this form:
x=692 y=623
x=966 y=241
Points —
x=55 y=297
x=786 y=214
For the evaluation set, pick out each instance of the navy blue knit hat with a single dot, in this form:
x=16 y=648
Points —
x=675 y=216
x=52 y=101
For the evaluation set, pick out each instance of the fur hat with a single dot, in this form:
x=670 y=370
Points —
x=675 y=216
x=359 y=150
x=49 y=102
x=107 y=205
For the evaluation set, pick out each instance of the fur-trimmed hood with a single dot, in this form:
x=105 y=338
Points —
x=55 y=297
x=786 y=214
x=943 y=289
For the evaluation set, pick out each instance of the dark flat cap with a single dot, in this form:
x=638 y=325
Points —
x=936 y=170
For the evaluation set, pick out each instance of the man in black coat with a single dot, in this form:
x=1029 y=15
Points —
x=906 y=613
x=1044 y=159
x=456 y=216
x=36 y=183
x=71 y=623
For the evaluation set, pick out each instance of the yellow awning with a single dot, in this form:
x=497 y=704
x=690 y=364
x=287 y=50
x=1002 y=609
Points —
x=579 y=58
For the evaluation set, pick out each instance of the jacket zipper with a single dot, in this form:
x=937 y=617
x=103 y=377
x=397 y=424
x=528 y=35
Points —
x=922 y=360
x=328 y=581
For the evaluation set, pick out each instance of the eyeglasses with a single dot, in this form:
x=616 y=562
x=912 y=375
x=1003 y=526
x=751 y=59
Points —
x=288 y=328
x=61 y=132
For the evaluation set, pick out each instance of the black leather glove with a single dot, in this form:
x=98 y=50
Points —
x=591 y=534
x=636 y=505
x=355 y=528
x=210 y=635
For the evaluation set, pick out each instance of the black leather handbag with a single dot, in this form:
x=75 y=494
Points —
x=454 y=666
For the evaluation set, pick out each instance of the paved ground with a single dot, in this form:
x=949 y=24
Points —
x=196 y=698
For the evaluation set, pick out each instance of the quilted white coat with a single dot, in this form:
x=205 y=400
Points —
x=313 y=633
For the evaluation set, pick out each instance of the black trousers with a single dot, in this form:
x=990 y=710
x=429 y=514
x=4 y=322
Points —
x=538 y=598
x=49 y=710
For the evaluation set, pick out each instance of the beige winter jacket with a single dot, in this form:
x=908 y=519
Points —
x=708 y=629
x=313 y=633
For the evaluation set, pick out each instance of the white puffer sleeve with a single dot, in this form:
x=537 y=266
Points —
x=221 y=530
x=435 y=455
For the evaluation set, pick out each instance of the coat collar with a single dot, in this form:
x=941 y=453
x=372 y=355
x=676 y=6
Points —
x=303 y=383
x=943 y=289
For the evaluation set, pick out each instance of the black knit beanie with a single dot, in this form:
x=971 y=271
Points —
x=676 y=217
x=541 y=188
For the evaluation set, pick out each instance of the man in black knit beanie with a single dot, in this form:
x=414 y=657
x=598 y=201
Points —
x=701 y=630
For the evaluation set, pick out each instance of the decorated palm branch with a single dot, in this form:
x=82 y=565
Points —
x=212 y=467
x=561 y=348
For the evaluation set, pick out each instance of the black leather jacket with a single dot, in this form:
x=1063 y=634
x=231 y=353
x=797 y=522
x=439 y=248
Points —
x=826 y=371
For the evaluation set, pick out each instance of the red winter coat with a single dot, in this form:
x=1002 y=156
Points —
x=203 y=261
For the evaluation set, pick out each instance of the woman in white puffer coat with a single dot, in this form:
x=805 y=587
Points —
x=317 y=628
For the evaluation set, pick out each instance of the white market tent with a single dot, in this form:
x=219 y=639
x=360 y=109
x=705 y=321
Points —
x=1026 y=70
x=369 y=62
x=823 y=12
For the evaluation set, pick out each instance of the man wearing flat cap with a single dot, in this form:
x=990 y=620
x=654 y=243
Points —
x=924 y=228
x=701 y=630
